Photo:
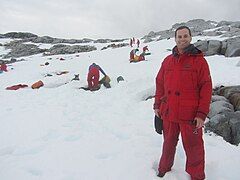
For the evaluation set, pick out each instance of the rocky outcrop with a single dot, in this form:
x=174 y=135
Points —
x=67 y=49
x=228 y=48
x=102 y=41
x=118 y=40
x=166 y=34
x=224 y=115
x=233 y=47
x=226 y=125
x=29 y=37
x=157 y=36
x=115 y=45
x=232 y=93
x=197 y=25
x=19 y=35
x=50 y=40
x=20 y=50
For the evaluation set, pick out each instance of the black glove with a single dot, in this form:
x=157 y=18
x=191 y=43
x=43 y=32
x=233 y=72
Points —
x=158 y=124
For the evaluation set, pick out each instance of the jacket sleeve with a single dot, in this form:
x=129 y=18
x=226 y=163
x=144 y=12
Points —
x=159 y=88
x=100 y=69
x=205 y=90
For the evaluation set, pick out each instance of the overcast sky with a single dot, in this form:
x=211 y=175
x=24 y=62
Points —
x=108 y=18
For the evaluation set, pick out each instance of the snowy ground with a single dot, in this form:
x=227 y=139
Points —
x=60 y=132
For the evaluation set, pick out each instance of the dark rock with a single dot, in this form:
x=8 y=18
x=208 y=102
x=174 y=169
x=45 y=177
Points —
x=21 y=35
x=115 y=45
x=233 y=47
x=220 y=107
x=20 y=50
x=120 y=78
x=102 y=41
x=66 y=49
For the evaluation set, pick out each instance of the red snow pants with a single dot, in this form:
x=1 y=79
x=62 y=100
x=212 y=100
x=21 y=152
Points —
x=192 y=144
x=93 y=78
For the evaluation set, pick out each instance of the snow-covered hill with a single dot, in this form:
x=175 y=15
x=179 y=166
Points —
x=60 y=132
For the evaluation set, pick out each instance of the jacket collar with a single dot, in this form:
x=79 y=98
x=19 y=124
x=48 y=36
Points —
x=190 y=50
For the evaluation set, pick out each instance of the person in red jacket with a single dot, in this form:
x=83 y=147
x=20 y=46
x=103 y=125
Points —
x=145 y=48
x=131 y=42
x=138 y=43
x=93 y=76
x=3 y=66
x=182 y=100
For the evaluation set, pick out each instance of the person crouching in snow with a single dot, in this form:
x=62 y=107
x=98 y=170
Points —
x=133 y=54
x=93 y=76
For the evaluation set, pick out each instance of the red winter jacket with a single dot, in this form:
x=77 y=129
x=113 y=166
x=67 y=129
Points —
x=3 y=67
x=183 y=86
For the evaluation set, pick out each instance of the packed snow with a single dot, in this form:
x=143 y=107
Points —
x=61 y=132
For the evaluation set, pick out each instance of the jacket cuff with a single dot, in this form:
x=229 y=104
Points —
x=201 y=115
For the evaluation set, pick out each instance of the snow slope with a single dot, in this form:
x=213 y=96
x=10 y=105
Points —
x=60 y=132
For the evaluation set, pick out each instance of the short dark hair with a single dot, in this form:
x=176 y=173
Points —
x=183 y=27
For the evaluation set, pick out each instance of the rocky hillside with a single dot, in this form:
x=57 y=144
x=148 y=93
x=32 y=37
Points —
x=25 y=44
x=230 y=47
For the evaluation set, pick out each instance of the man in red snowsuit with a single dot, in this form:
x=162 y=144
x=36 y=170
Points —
x=93 y=76
x=182 y=100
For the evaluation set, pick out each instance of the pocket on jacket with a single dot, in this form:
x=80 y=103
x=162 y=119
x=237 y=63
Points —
x=187 y=113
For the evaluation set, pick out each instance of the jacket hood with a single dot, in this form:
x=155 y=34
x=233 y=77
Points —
x=191 y=50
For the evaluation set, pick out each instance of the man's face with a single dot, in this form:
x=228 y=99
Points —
x=183 y=39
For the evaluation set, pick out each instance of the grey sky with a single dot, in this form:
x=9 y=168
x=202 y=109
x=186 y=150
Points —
x=108 y=18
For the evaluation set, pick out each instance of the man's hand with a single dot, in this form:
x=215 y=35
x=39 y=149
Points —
x=199 y=122
x=156 y=111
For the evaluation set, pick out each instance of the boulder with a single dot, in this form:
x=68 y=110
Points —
x=233 y=47
x=234 y=123
x=214 y=47
x=202 y=45
x=226 y=125
x=219 y=98
x=224 y=115
x=228 y=90
x=220 y=107
x=234 y=99
x=219 y=125
x=210 y=47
